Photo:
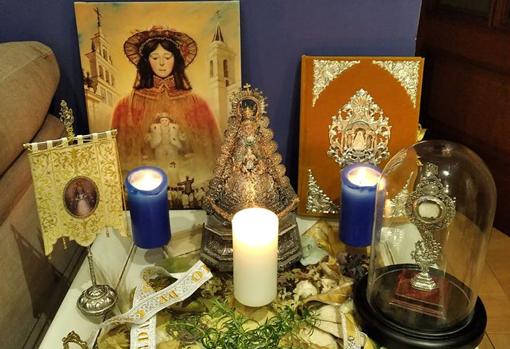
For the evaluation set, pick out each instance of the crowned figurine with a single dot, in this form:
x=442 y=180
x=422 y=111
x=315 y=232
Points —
x=248 y=173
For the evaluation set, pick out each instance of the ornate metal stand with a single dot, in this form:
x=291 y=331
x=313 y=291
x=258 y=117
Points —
x=73 y=337
x=429 y=192
x=216 y=248
x=97 y=300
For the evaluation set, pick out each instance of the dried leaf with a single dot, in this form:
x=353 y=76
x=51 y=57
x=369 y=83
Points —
x=335 y=296
x=326 y=237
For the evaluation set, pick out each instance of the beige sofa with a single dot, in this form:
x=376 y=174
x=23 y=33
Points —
x=31 y=286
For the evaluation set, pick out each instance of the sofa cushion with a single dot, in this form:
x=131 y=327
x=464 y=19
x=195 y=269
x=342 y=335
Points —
x=17 y=178
x=29 y=76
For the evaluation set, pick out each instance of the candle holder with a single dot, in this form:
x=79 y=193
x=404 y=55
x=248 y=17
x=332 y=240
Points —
x=148 y=205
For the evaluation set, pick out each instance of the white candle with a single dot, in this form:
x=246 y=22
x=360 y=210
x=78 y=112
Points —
x=255 y=243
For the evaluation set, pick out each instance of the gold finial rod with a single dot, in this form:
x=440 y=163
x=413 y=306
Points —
x=67 y=118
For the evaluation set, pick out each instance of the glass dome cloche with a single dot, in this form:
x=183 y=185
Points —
x=435 y=205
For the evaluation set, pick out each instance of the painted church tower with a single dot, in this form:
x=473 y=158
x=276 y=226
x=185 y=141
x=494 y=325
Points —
x=101 y=94
x=222 y=78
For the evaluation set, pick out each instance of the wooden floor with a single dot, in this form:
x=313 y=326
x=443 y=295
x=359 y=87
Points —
x=495 y=292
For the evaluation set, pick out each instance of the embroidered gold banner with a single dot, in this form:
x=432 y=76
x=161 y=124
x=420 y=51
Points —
x=78 y=187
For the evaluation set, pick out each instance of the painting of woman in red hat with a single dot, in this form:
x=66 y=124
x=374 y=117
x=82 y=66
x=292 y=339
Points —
x=165 y=88
x=161 y=56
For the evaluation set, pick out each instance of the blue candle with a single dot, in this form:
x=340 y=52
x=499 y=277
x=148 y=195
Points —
x=148 y=205
x=359 y=183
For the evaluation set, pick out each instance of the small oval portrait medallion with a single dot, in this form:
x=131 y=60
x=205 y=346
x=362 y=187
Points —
x=81 y=197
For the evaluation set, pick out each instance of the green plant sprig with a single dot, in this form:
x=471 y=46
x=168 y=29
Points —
x=227 y=329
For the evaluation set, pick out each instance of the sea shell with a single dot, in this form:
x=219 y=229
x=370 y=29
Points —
x=328 y=285
x=305 y=289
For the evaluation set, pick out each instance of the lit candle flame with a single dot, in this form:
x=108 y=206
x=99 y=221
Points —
x=145 y=179
x=363 y=176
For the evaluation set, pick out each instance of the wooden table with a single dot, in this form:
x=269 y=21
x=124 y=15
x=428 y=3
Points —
x=495 y=292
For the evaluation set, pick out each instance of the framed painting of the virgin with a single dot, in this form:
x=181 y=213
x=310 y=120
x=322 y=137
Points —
x=161 y=73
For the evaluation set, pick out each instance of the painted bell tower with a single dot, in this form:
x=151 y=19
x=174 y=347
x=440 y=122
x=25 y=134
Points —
x=101 y=93
x=222 y=78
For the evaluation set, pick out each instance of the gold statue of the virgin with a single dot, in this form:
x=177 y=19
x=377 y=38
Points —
x=248 y=173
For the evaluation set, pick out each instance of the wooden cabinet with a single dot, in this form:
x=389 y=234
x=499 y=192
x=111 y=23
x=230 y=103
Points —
x=466 y=90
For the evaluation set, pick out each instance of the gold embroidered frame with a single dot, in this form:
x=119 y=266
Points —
x=78 y=188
